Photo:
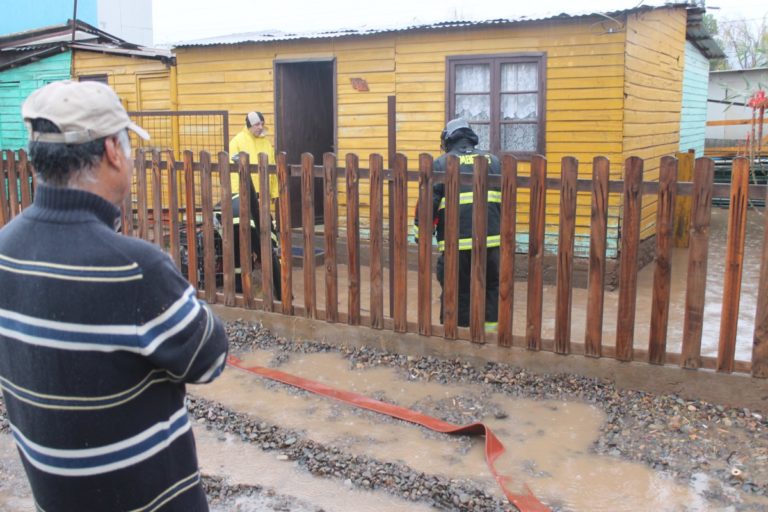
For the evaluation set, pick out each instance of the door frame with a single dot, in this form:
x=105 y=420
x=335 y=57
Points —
x=306 y=60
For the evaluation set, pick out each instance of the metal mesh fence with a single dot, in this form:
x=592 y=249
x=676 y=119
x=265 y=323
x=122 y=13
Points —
x=195 y=130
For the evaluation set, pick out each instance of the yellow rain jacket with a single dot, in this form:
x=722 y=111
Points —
x=247 y=142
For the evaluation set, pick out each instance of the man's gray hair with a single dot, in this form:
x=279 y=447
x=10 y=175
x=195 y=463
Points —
x=61 y=165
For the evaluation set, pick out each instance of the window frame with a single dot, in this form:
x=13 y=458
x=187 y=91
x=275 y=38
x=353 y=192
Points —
x=102 y=78
x=495 y=123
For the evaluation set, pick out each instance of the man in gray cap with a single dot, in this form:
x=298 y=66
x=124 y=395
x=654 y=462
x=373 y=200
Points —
x=460 y=140
x=99 y=332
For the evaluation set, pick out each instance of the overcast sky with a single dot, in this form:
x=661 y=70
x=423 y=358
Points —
x=184 y=20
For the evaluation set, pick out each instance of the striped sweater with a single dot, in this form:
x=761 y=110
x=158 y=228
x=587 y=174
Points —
x=98 y=335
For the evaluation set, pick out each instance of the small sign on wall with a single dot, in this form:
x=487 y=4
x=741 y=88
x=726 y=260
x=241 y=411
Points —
x=359 y=84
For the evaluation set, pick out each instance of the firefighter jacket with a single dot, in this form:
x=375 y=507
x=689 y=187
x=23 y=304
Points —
x=466 y=154
x=247 y=142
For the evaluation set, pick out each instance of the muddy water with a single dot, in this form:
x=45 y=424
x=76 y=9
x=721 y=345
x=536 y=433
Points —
x=548 y=443
x=241 y=463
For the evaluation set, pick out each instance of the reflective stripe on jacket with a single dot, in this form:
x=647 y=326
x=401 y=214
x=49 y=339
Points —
x=467 y=156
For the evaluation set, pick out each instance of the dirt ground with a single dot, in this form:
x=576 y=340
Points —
x=579 y=443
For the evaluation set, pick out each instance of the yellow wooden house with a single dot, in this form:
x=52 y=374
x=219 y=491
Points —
x=577 y=85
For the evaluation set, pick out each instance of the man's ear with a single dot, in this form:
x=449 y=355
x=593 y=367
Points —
x=112 y=151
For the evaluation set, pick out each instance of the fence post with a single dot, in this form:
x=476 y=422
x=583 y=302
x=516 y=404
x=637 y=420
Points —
x=189 y=191
x=630 y=242
x=538 y=207
x=662 y=274
x=566 y=239
x=209 y=245
x=246 y=248
x=173 y=210
x=157 y=200
x=265 y=234
x=308 y=229
x=5 y=216
x=24 y=177
x=683 y=204
x=227 y=230
x=696 y=280
x=376 y=165
x=353 y=238
x=507 y=252
x=331 y=230
x=13 y=183
x=479 y=264
x=734 y=263
x=141 y=185
x=760 y=340
x=598 y=234
x=451 y=250
x=286 y=244
x=425 y=244
x=400 y=237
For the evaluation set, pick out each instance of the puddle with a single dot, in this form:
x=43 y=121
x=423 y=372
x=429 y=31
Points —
x=548 y=442
x=241 y=463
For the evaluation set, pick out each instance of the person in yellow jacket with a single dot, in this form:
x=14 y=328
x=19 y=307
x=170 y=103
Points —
x=252 y=139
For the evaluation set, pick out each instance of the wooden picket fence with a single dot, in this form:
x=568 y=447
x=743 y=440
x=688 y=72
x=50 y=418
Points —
x=195 y=178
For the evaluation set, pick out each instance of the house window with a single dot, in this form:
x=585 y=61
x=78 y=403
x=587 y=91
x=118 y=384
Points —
x=502 y=98
x=94 y=78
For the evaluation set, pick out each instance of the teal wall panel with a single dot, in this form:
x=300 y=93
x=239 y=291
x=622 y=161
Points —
x=16 y=84
x=693 y=117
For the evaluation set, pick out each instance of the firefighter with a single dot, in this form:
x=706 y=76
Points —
x=252 y=140
x=459 y=139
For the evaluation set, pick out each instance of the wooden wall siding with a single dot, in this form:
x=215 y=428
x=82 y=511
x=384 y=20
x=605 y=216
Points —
x=124 y=73
x=240 y=78
x=693 y=118
x=655 y=55
x=584 y=103
x=141 y=84
x=16 y=84
x=608 y=93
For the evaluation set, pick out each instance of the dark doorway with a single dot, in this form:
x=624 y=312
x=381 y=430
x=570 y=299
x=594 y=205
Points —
x=305 y=121
x=304 y=109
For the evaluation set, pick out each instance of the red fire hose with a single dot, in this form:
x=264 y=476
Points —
x=493 y=447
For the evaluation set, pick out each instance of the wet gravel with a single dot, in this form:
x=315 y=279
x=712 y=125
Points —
x=689 y=440
x=223 y=497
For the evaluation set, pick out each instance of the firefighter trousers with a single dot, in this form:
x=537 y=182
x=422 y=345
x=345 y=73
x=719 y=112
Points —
x=465 y=270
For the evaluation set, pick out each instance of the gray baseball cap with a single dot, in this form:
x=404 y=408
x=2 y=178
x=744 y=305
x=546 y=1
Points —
x=82 y=111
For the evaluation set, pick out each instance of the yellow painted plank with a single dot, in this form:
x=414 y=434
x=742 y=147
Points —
x=592 y=60
x=635 y=129
x=601 y=105
x=614 y=114
x=590 y=72
x=364 y=108
x=362 y=131
x=432 y=87
x=570 y=83
x=581 y=126
x=671 y=104
x=586 y=94
x=587 y=137
x=366 y=66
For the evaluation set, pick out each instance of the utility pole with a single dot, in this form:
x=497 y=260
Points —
x=74 y=21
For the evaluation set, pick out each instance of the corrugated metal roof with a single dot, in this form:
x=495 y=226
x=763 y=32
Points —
x=21 y=48
x=530 y=16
